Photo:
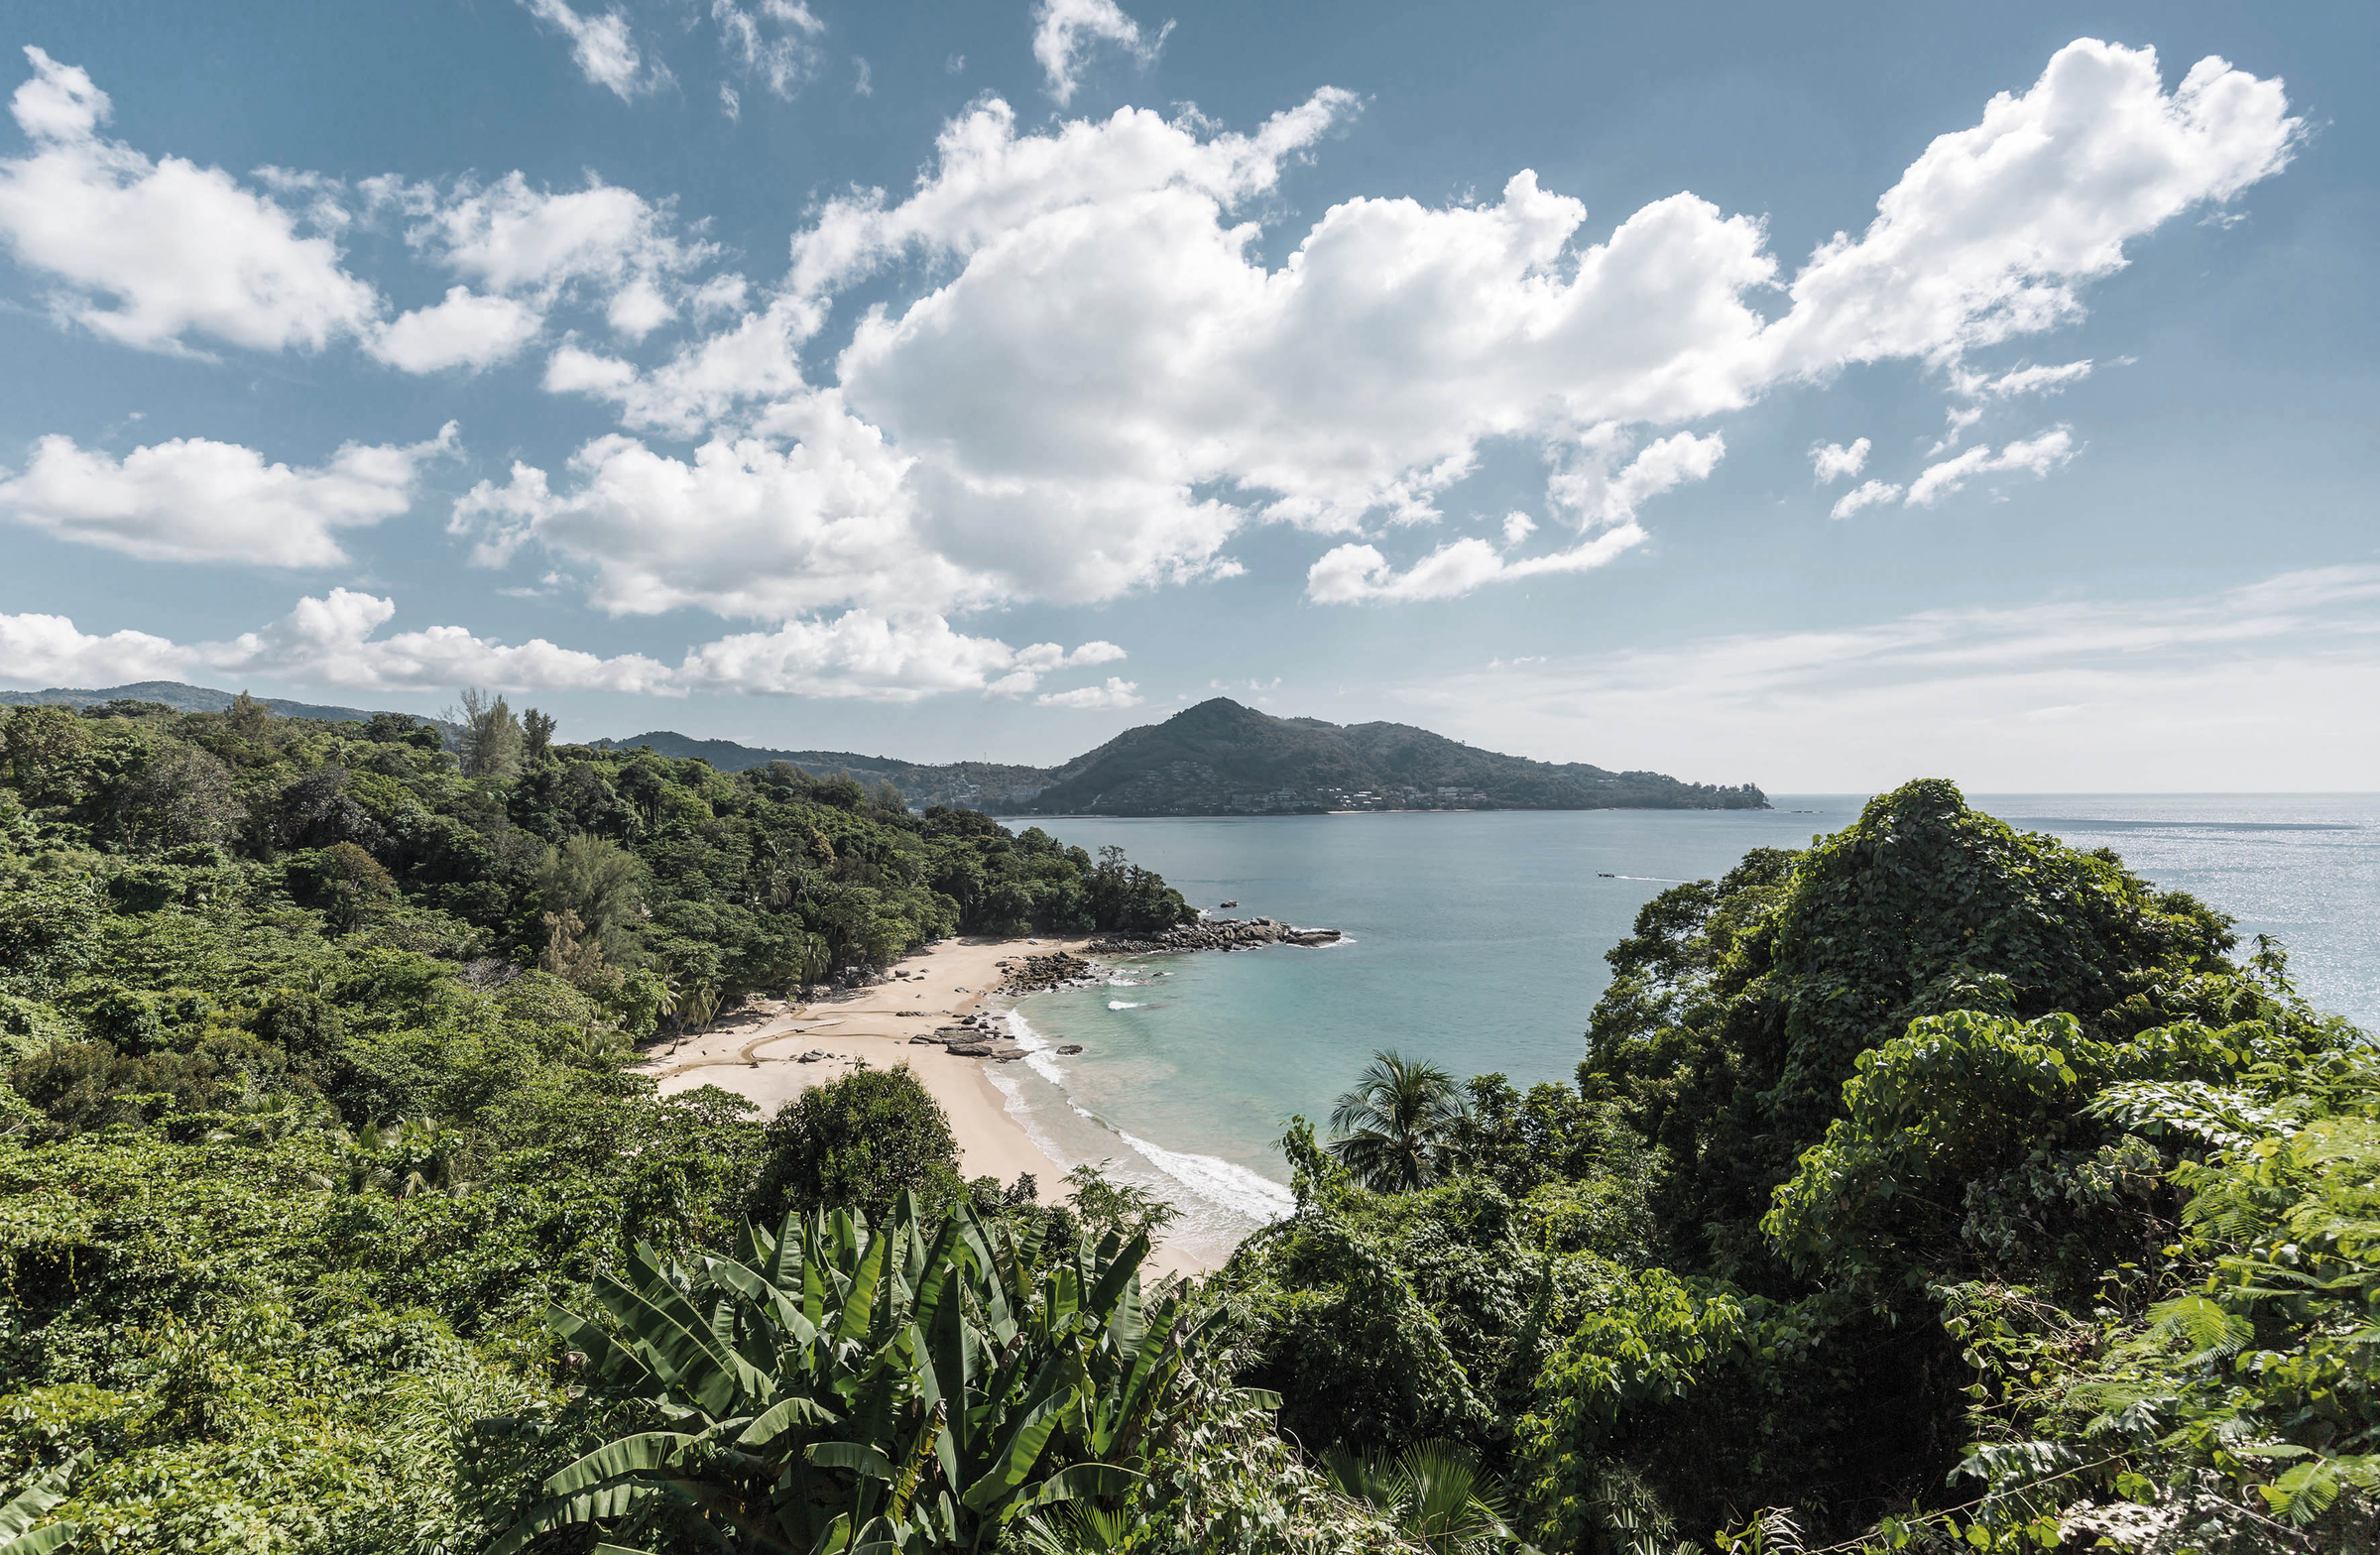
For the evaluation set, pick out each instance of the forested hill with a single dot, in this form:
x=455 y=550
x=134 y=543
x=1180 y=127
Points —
x=625 y=873
x=989 y=785
x=1219 y=757
x=179 y=696
x=1222 y=758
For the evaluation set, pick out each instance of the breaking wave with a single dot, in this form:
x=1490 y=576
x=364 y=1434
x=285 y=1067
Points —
x=1228 y=1183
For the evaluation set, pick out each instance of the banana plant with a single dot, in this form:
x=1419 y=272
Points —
x=842 y=1388
x=18 y=1535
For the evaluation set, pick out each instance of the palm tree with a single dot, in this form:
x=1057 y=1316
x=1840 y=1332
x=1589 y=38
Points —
x=1393 y=1129
x=1433 y=1494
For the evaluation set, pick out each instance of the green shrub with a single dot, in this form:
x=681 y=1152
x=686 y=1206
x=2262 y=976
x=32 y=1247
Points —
x=858 y=1143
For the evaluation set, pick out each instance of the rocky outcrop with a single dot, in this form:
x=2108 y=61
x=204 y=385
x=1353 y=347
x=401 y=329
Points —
x=1041 y=974
x=1217 y=934
x=1003 y=1052
x=976 y=1037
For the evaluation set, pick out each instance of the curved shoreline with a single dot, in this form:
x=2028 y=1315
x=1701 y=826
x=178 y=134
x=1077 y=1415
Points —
x=756 y=1054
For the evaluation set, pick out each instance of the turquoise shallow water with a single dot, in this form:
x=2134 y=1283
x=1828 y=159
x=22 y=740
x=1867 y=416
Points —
x=1476 y=940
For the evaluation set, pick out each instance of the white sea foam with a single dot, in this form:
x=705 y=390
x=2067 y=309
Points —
x=1228 y=1183
x=1011 y=1091
x=1037 y=1057
x=1124 y=982
x=1212 y=1186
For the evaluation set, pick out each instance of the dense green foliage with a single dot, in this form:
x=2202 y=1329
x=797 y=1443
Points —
x=858 y=1143
x=843 y=1386
x=1937 y=1185
x=318 y=1091
x=603 y=865
x=1940 y=1183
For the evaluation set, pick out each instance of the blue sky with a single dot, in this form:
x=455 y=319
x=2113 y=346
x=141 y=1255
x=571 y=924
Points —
x=1813 y=397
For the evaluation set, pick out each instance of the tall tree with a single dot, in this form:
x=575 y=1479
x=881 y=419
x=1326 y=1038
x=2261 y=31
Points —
x=538 y=730
x=248 y=718
x=487 y=736
x=599 y=880
x=179 y=794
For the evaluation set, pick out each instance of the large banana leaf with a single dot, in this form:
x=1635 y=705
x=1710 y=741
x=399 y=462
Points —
x=628 y=1455
x=41 y=1542
x=909 y=1385
x=42 y=1491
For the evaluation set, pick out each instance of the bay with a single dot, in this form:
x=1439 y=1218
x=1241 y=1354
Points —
x=1476 y=940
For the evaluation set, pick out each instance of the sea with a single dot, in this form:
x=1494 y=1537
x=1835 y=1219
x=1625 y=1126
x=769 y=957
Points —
x=1476 y=940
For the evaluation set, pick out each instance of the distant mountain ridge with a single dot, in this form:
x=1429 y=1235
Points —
x=1219 y=757
x=182 y=697
x=979 y=786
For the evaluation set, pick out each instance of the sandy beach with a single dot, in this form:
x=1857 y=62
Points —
x=755 y=1054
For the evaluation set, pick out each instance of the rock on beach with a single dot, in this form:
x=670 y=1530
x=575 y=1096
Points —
x=1039 y=973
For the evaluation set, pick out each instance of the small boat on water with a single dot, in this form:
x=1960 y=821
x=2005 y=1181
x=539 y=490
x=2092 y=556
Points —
x=1605 y=875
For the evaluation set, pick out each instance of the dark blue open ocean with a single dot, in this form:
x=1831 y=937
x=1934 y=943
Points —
x=1478 y=940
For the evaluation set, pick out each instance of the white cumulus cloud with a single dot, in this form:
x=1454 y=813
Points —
x=704 y=381
x=47 y=650
x=1584 y=485
x=1162 y=388
x=1116 y=692
x=1065 y=31
x=150 y=253
x=541 y=247
x=1831 y=461
x=1358 y=574
x=859 y=654
x=193 y=498
x=772 y=41
x=329 y=641
x=1990 y=233
x=465 y=330
x=2024 y=379
x=885 y=658
x=744 y=527
x=336 y=640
